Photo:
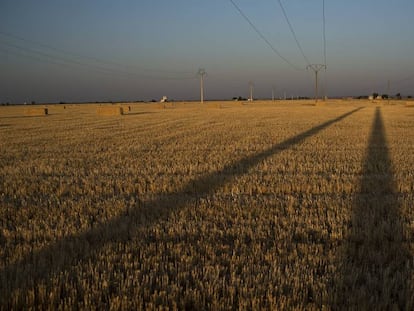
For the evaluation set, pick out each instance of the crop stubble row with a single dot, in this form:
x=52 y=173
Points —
x=171 y=208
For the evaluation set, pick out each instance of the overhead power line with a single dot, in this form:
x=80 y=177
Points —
x=42 y=55
x=87 y=57
x=293 y=33
x=38 y=58
x=18 y=51
x=49 y=54
x=263 y=37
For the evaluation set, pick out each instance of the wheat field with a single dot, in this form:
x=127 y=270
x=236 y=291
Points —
x=220 y=206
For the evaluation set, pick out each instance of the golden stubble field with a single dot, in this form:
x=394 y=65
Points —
x=226 y=206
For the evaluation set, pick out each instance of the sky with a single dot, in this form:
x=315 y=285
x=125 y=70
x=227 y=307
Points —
x=125 y=50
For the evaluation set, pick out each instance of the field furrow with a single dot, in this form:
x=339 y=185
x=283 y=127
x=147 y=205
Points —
x=274 y=206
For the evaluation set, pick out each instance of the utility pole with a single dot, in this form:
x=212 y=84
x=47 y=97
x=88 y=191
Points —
x=251 y=86
x=273 y=94
x=201 y=72
x=316 y=68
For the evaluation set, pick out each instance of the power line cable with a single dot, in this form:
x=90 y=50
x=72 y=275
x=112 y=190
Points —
x=68 y=62
x=23 y=54
x=262 y=36
x=85 y=57
x=293 y=33
x=53 y=57
x=54 y=61
x=49 y=59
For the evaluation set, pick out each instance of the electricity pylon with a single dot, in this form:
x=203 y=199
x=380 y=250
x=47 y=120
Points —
x=316 y=68
x=202 y=72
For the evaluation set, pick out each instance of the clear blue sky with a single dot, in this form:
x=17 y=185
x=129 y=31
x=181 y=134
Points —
x=77 y=50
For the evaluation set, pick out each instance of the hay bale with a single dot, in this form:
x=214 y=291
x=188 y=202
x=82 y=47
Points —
x=409 y=104
x=35 y=112
x=110 y=111
x=126 y=108
x=217 y=105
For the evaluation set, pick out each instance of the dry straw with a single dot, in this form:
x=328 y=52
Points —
x=215 y=105
x=110 y=111
x=36 y=112
x=166 y=105
x=254 y=207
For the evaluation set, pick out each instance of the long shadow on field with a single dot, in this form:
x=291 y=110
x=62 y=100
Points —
x=41 y=265
x=374 y=272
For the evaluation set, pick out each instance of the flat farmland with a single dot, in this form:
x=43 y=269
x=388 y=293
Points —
x=221 y=206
